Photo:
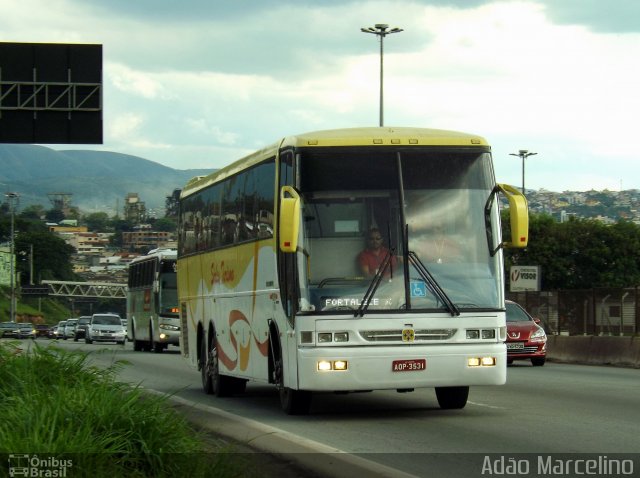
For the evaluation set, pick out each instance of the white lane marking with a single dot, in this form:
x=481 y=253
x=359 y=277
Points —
x=486 y=406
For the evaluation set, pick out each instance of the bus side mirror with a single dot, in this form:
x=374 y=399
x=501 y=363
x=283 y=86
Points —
x=518 y=216
x=289 y=219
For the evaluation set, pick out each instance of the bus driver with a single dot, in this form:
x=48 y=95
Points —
x=370 y=259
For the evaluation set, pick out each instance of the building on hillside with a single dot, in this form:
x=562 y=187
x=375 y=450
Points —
x=144 y=240
x=135 y=210
x=66 y=229
x=93 y=243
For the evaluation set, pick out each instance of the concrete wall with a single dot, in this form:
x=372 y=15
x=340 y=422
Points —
x=593 y=350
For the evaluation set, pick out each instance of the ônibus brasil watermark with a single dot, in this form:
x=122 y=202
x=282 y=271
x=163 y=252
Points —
x=34 y=466
x=547 y=465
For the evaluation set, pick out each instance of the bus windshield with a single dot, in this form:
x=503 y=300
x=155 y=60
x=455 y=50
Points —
x=415 y=209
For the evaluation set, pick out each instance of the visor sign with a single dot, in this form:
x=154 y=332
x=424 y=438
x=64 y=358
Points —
x=524 y=278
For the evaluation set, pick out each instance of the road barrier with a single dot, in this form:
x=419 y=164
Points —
x=594 y=350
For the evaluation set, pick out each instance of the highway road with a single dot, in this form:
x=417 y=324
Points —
x=542 y=413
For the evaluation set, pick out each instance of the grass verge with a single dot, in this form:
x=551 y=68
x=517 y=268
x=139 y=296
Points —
x=56 y=406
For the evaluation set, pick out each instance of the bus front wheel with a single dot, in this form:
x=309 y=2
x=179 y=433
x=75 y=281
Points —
x=293 y=402
x=156 y=347
x=451 y=398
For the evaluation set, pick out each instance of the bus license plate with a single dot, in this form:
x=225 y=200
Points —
x=408 y=365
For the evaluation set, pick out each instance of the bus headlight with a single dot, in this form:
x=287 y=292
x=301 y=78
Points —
x=341 y=336
x=335 y=365
x=327 y=337
x=474 y=334
x=481 y=362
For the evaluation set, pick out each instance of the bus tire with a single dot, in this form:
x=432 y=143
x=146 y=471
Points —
x=154 y=346
x=137 y=345
x=452 y=398
x=293 y=402
x=207 y=382
x=212 y=382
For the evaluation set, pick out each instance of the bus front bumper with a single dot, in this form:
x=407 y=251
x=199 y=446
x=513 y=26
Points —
x=384 y=368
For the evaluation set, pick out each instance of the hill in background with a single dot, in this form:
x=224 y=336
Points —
x=97 y=180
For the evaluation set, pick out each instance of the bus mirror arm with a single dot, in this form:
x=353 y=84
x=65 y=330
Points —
x=518 y=218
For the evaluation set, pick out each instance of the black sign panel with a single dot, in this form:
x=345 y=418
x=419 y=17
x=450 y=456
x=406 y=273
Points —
x=50 y=93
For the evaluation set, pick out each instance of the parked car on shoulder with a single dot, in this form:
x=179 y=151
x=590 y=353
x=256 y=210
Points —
x=70 y=328
x=58 y=333
x=526 y=340
x=81 y=327
x=9 y=330
x=26 y=330
x=53 y=332
x=42 y=330
x=105 y=328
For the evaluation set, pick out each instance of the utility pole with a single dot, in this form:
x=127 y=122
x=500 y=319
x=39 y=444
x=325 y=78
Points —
x=12 y=199
x=524 y=154
x=381 y=30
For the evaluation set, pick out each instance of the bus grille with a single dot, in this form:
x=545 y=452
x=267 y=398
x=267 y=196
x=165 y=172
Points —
x=421 y=335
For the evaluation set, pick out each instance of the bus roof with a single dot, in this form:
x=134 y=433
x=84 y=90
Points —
x=157 y=253
x=368 y=136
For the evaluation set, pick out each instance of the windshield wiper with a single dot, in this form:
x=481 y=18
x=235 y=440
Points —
x=375 y=282
x=432 y=284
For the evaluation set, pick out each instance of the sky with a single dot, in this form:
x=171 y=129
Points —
x=200 y=83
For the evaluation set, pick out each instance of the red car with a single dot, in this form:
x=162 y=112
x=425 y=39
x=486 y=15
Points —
x=525 y=338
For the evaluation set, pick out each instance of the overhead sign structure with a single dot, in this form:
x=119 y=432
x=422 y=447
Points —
x=524 y=278
x=50 y=93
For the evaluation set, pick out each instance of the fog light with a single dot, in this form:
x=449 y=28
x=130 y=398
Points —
x=488 y=334
x=473 y=361
x=340 y=365
x=324 y=366
x=488 y=361
x=473 y=334
x=341 y=336
x=324 y=337
x=163 y=336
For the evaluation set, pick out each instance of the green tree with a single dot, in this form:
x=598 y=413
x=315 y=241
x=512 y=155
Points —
x=165 y=224
x=120 y=226
x=98 y=222
x=51 y=256
x=33 y=212
x=580 y=253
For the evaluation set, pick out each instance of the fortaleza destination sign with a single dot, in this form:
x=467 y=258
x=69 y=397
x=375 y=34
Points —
x=556 y=465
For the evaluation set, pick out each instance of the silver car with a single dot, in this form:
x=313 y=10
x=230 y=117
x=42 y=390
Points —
x=105 y=328
x=69 y=329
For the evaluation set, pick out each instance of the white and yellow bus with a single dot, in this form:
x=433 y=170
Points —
x=270 y=287
x=152 y=301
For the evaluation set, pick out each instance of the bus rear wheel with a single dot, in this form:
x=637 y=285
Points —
x=207 y=382
x=452 y=398
x=212 y=382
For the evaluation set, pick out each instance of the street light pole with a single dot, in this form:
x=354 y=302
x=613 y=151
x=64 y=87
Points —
x=381 y=30
x=12 y=199
x=524 y=154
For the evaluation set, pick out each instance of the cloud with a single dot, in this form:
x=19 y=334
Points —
x=133 y=82
x=206 y=82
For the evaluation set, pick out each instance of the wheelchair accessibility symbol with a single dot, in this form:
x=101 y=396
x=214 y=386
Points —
x=418 y=289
